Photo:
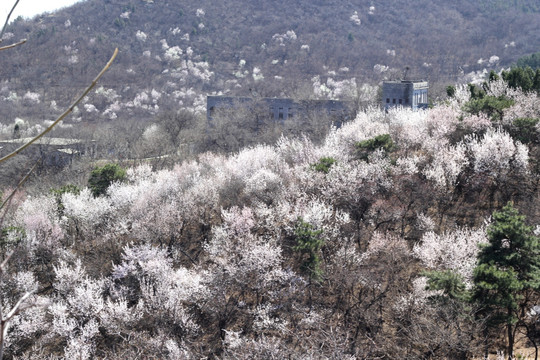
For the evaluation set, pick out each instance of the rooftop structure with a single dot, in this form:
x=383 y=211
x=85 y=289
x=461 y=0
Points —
x=406 y=93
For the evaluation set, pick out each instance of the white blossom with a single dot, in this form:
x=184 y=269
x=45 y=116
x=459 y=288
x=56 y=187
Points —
x=173 y=53
x=379 y=69
x=493 y=60
x=32 y=97
x=141 y=36
x=355 y=19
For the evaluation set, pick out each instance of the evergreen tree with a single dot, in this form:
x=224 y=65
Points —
x=102 y=177
x=536 y=81
x=532 y=60
x=309 y=242
x=508 y=272
x=520 y=78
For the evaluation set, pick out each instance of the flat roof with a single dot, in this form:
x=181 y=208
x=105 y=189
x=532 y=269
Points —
x=405 y=81
x=44 y=141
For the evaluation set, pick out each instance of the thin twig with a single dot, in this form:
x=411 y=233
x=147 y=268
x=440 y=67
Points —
x=7 y=19
x=23 y=180
x=5 y=320
x=12 y=45
x=66 y=113
x=4 y=263
x=18 y=307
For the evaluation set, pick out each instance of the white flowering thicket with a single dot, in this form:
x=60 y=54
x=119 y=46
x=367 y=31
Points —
x=32 y=97
x=379 y=69
x=141 y=36
x=287 y=37
x=206 y=252
x=355 y=19
x=454 y=251
x=497 y=153
x=173 y=53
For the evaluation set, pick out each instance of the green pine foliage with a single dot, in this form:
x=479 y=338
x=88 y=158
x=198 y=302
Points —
x=508 y=267
x=532 y=61
x=324 y=164
x=451 y=91
x=524 y=130
x=522 y=77
x=450 y=283
x=493 y=106
x=309 y=243
x=102 y=177
x=383 y=141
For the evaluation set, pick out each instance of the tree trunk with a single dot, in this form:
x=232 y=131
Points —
x=509 y=328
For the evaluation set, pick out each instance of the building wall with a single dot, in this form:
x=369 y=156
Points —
x=281 y=109
x=413 y=94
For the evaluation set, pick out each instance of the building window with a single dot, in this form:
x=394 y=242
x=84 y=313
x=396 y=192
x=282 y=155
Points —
x=400 y=101
x=393 y=101
x=281 y=113
x=271 y=112
x=387 y=100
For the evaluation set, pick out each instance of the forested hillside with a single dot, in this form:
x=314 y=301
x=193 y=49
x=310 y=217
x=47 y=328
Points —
x=175 y=53
x=288 y=250
x=399 y=235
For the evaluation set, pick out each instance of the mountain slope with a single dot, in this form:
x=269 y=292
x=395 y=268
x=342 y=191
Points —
x=172 y=54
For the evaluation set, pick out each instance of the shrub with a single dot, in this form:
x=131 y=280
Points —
x=492 y=106
x=383 y=142
x=522 y=78
x=57 y=193
x=524 y=130
x=324 y=164
x=451 y=91
x=309 y=242
x=102 y=177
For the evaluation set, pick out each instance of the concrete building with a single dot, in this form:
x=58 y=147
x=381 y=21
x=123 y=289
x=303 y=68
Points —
x=406 y=93
x=281 y=109
x=54 y=152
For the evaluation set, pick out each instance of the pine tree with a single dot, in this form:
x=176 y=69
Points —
x=309 y=242
x=102 y=177
x=508 y=272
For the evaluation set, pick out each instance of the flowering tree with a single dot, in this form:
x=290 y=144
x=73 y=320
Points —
x=39 y=223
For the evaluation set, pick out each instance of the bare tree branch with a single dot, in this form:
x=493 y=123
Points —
x=18 y=307
x=7 y=20
x=12 y=45
x=4 y=263
x=69 y=110
x=23 y=180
